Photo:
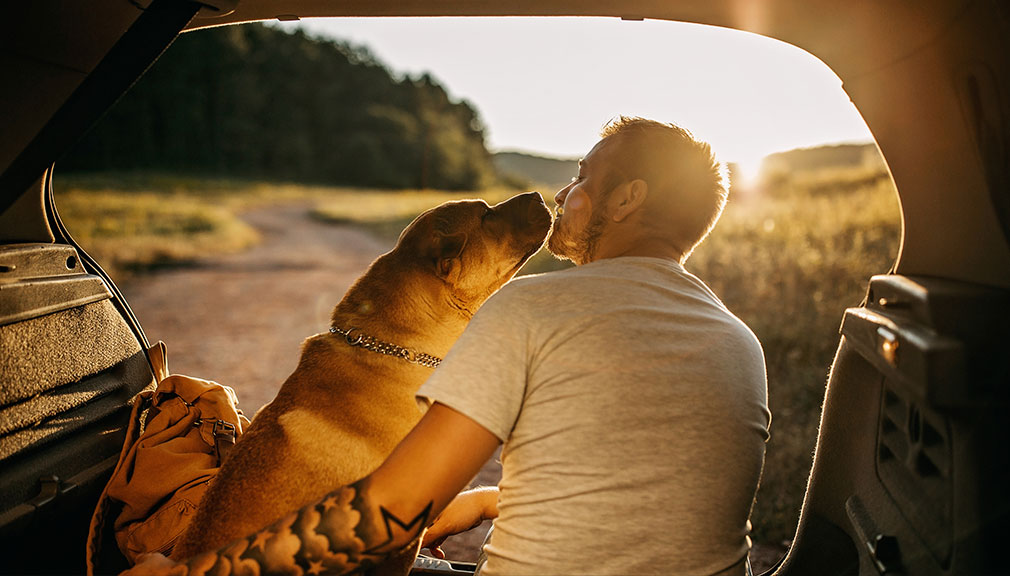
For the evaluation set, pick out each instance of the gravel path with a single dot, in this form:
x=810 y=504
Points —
x=240 y=319
x=246 y=315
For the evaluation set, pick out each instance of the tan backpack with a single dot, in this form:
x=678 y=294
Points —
x=167 y=462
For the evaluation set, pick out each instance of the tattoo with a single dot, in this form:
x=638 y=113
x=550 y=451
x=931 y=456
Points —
x=417 y=526
x=339 y=534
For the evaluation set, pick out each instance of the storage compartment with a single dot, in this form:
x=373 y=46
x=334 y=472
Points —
x=941 y=466
x=69 y=366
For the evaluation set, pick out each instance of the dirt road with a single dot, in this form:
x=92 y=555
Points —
x=240 y=319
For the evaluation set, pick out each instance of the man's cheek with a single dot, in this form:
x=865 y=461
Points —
x=578 y=208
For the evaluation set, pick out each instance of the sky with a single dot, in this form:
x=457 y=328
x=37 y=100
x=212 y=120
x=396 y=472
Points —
x=548 y=85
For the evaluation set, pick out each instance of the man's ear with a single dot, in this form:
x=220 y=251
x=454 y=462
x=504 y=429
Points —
x=446 y=249
x=627 y=198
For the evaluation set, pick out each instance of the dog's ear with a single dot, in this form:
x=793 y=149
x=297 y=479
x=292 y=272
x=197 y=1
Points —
x=446 y=249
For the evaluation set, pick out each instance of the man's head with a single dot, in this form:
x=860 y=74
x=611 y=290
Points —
x=645 y=188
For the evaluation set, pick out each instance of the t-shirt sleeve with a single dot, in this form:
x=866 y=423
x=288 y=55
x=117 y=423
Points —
x=484 y=374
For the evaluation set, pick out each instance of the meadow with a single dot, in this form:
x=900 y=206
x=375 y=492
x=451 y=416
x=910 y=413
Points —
x=788 y=257
x=789 y=260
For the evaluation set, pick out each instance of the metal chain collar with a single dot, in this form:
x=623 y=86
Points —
x=373 y=344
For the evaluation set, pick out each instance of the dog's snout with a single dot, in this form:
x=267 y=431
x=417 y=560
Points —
x=532 y=196
x=537 y=209
x=530 y=205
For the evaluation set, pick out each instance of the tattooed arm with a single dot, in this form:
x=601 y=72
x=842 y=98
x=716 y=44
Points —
x=362 y=524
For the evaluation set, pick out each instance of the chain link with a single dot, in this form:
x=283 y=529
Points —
x=375 y=345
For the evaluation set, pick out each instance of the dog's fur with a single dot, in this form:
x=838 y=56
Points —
x=344 y=408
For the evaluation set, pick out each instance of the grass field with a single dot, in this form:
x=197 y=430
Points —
x=788 y=260
x=788 y=263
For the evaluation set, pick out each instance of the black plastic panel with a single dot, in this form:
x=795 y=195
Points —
x=39 y=279
x=70 y=364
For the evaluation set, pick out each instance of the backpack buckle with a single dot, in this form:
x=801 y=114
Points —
x=225 y=435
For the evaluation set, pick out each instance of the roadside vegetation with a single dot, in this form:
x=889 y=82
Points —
x=788 y=260
x=787 y=257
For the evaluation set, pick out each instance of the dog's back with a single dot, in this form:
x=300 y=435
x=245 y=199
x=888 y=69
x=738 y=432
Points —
x=316 y=435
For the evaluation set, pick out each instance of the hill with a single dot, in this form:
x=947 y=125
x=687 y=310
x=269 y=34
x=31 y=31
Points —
x=528 y=170
x=821 y=157
x=825 y=170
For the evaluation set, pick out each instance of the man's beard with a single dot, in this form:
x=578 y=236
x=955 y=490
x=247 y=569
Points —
x=583 y=249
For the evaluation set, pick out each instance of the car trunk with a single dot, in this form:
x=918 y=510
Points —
x=911 y=465
x=73 y=356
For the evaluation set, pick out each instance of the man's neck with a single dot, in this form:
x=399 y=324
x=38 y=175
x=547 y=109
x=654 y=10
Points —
x=641 y=247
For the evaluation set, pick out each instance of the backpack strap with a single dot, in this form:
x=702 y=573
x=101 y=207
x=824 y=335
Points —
x=225 y=435
x=141 y=402
x=158 y=356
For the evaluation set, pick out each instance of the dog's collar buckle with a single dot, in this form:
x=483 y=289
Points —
x=352 y=340
x=356 y=338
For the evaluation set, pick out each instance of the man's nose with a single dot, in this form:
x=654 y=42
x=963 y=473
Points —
x=559 y=198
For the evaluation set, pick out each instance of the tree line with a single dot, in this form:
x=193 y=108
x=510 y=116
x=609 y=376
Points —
x=259 y=102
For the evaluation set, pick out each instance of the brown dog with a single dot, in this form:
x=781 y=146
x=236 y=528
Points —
x=349 y=403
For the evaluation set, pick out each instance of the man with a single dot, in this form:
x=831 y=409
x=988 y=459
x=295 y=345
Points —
x=631 y=403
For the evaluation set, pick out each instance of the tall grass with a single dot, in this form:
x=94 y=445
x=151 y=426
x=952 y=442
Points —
x=787 y=259
x=130 y=232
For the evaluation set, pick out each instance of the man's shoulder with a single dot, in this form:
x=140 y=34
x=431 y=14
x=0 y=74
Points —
x=534 y=282
x=602 y=274
x=538 y=295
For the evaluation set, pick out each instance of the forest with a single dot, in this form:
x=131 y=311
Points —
x=254 y=101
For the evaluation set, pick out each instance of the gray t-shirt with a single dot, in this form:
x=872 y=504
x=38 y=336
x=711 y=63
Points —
x=633 y=410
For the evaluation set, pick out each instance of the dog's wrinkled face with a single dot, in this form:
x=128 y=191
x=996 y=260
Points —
x=471 y=249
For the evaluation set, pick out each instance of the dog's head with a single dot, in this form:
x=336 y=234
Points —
x=468 y=249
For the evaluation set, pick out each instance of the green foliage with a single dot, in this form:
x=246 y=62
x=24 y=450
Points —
x=256 y=102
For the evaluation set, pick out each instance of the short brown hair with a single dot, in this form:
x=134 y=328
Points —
x=686 y=190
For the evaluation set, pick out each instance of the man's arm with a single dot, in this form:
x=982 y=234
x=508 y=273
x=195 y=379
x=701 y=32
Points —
x=359 y=525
